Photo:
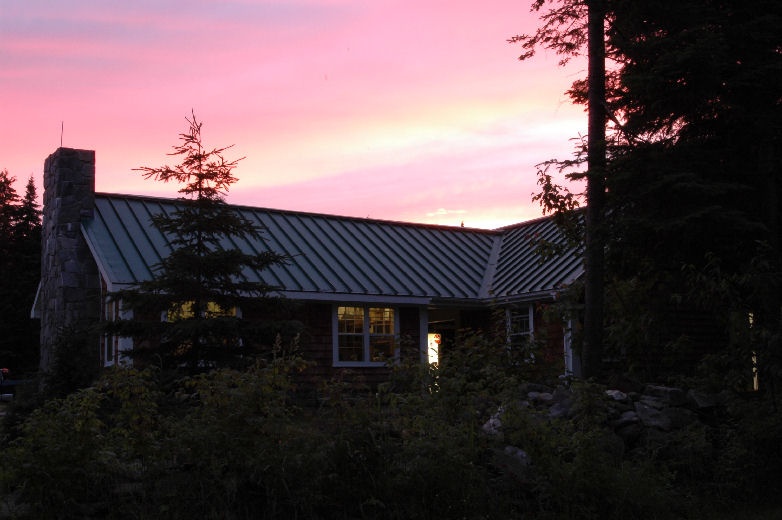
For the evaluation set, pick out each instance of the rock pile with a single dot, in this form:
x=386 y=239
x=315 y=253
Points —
x=632 y=416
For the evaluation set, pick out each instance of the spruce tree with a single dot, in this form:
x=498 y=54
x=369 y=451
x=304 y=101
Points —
x=571 y=27
x=20 y=258
x=200 y=284
x=692 y=173
x=8 y=289
x=695 y=191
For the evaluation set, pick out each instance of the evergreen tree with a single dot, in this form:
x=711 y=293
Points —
x=695 y=178
x=28 y=219
x=20 y=255
x=8 y=314
x=8 y=202
x=692 y=189
x=568 y=27
x=200 y=283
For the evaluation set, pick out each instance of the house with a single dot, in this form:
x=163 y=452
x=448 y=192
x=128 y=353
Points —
x=400 y=279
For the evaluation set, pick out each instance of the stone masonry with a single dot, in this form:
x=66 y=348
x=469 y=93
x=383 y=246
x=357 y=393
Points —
x=69 y=294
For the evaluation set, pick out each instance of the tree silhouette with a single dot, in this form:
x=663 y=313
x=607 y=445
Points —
x=199 y=286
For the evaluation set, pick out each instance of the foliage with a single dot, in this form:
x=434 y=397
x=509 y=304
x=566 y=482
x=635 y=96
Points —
x=241 y=444
x=570 y=27
x=693 y=160
x=74 y=366
x=202 y=281
x=20 y=261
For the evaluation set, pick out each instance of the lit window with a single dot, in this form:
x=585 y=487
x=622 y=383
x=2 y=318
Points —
x=364 y=335
x=184 y=311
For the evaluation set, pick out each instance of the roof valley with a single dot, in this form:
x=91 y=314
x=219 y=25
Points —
x=485 y=292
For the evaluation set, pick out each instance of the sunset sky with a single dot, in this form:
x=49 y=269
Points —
x=412 y=110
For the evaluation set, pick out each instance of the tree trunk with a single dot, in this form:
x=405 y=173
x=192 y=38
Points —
x=594 y=254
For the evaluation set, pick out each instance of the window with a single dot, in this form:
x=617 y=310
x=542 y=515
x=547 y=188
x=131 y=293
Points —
x=519 y=325
x=519 y=331
x=184 y=311
x=109 y=342
x=113 y=348
x=364 y=335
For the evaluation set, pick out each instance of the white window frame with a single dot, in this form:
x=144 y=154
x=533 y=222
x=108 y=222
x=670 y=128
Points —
x=528 y=345
x=119 y=346
x=518 y=311
x=366 y=335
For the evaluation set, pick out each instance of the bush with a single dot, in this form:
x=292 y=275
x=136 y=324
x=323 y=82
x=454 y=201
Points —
x=233 y=444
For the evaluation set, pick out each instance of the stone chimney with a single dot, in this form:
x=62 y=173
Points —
x=69 y=293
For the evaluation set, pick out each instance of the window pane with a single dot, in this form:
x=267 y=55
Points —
x=351 y=347
x=381 y=348
x=381 y=320
x=350 y=320
x=182 y=311
x=519 y=323
x=213 y=310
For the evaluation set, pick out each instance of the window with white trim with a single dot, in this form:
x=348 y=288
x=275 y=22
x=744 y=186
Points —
x=114 y=348
x=109 y=343
x=519 y=322
x=364 y=335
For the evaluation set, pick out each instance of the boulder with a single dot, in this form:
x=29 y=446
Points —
x=617 y=395
x=669 y=395
x=680 y=417
x=652 y=417
x=701 y=400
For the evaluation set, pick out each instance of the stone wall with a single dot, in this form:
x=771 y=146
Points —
x=69 y=295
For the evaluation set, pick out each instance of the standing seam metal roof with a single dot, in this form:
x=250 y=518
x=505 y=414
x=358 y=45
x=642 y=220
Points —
x=333 y=256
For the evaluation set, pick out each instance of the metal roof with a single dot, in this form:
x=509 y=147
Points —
x=346 y=258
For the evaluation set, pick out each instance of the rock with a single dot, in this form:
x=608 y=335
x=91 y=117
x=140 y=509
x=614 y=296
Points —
x=540 y=397
x=561 y=409
x=652 y=401
x=513 y=460
x=669 y=395
x=494 y=425
x=536 y=387
x=616 y=395
x=680 y=417
x=702 y=400
x=652 y=417
x=630 y=433
x=518 y=454
x=629 y=417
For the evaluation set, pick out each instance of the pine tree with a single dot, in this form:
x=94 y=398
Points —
x=200 y=283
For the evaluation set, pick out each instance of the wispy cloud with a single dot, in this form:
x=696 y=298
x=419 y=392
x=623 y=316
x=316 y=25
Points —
x=381 y=108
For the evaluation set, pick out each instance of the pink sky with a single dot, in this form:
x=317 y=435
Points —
x=404 y=110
